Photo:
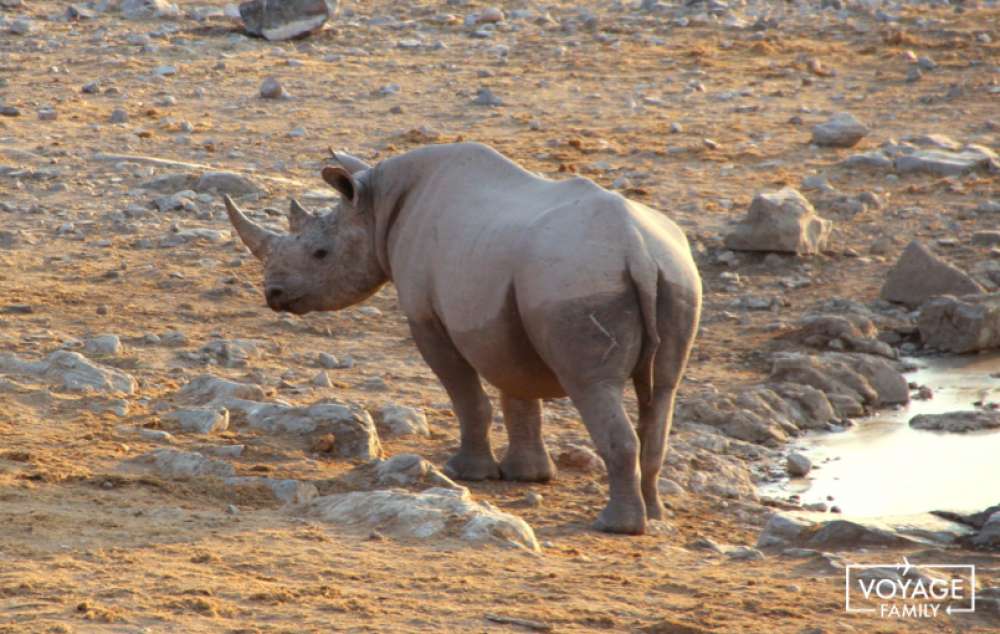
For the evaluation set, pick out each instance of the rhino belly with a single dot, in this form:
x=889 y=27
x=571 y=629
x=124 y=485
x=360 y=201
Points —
x=503 y=355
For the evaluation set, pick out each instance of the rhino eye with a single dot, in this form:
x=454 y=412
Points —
x=319 y=254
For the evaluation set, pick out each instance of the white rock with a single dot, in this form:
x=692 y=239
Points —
x=201 y=420
x=148 y=9
x=398 y=420
x=227 y=183
x=73 y=371
x=352 y=426
x=103 y=344
x=172 y=463
x=205 y=389
x=783 y=221
x=409 y=469
x=436 y=514
x=287 y=491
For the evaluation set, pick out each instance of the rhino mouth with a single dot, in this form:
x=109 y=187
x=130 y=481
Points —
x=285 y=305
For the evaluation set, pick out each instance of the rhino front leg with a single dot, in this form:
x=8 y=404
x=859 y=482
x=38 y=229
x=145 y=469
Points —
x=474 y=460
x=527 y=459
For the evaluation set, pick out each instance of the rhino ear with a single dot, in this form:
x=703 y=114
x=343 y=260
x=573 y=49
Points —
x=344 y=182
x=350 y=163
x=298 y=216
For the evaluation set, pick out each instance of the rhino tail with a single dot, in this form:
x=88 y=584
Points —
x=645 y=274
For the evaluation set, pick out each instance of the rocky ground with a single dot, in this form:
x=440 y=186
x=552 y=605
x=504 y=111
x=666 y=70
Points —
x=176 y=457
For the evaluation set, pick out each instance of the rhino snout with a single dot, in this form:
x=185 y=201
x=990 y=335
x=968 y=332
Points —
x=275 y=296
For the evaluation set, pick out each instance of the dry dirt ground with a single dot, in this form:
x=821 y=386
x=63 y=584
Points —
x=87 y=547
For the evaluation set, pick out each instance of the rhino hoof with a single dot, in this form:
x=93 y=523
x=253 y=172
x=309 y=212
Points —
x=532 y=468
x=621 y=521
x=472 y=467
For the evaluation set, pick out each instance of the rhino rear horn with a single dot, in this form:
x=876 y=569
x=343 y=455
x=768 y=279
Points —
x=257 y=238
x=298 y=216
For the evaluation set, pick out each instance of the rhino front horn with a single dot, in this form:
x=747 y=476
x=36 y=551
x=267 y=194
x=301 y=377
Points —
x=257 y=238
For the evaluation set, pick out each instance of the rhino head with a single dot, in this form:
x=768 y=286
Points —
x=324 y=262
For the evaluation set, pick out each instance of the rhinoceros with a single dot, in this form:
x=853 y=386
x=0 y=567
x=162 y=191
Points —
x=543 y=288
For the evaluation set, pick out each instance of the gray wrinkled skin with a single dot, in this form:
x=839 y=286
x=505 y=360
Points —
x=543 y=288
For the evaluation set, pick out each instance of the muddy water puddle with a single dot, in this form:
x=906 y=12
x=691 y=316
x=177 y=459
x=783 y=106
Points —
x=882 y=467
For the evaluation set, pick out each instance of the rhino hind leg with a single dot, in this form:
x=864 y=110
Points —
x=654 y=427
x=604 y=415
x=474 y=459
x=527 y=459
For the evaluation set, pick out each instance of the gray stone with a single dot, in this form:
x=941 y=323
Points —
x=233 y=353
x=436 y=514
x=958 y=422
x=227 y=183
x=841 y=130
x=784 y=530
x=22 y=26
x=118 y=115
x=285 y=20
x=272 y=89
x=744 y=553
x=170 y=183
x=398 y=420
x=875 y=159
x=919 y=275
x=798 y=465
x=989 y=534
x=485 y=97
x=781 y=221
x=578 y=457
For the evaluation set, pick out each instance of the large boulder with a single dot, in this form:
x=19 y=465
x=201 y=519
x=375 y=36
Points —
x=919 y=275
x=763 y=414
x=287 y=19
x=780 y=221
x=852 y=382
x=437 y=513
x=961 y=324
x=841 y=130
x=851 y=332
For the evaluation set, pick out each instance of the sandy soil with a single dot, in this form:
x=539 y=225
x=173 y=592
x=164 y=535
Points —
x=85 y=546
